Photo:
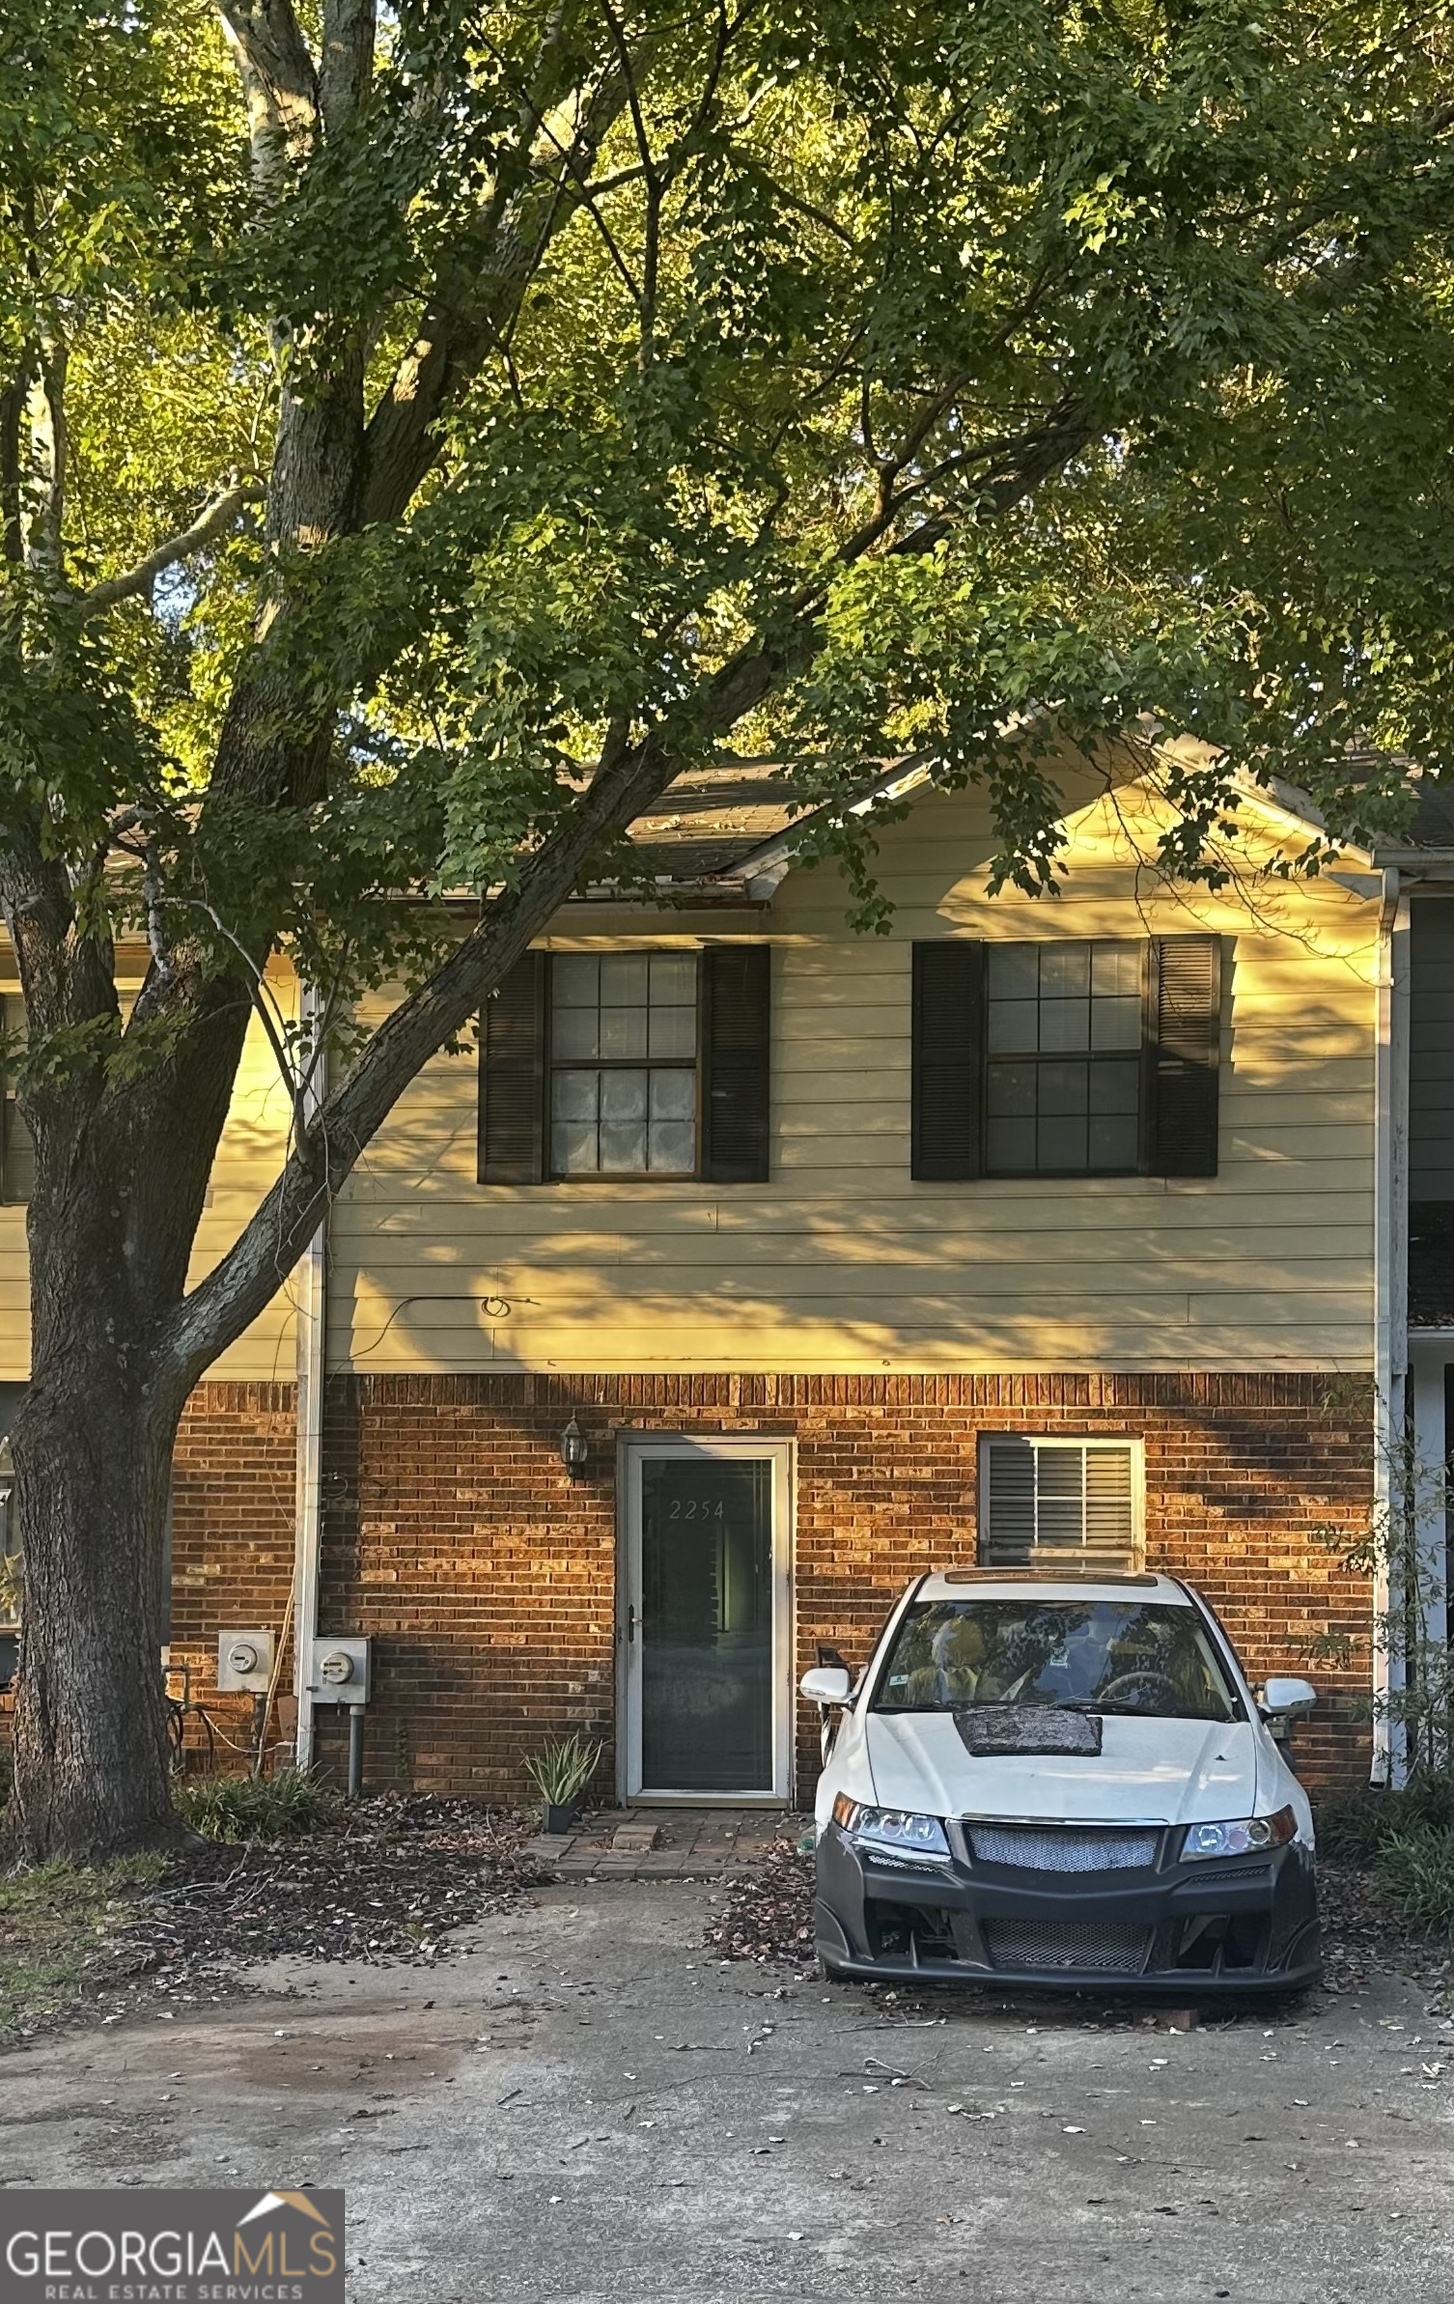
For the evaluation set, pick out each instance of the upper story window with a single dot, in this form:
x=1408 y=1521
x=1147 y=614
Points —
x=1066 y=1058
x=623 y=1064
x=1063 y=1063
x=628 y=1065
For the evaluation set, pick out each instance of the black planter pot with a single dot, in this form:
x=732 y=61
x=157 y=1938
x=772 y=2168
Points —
x=561 y=1819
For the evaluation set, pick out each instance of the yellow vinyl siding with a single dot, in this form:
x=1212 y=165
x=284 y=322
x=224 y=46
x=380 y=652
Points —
x=842 y=1261
x=250 y=1154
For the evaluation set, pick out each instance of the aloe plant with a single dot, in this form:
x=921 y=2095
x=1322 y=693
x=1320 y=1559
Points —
x=562 y=1771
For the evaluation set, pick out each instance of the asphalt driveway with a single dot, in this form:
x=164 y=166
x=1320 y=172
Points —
x=589 y=2106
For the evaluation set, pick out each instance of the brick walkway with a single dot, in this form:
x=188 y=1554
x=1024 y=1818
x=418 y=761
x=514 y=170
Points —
x=667 y=1843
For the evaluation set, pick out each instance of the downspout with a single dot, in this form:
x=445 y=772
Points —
x=1390 y=1297
x=312 y=1331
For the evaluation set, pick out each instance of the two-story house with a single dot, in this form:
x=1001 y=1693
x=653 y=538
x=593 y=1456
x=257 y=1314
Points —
x=753 y=1266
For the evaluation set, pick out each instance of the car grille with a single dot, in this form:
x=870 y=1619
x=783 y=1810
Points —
x=1043 y=1848
x=1089 y=1946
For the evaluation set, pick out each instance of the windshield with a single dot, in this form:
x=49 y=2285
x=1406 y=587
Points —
x=1088 y=1655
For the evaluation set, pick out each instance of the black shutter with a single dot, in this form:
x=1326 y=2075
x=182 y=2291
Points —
x=948 y=1065
x=736 y=1062
x=512 y=1076
x=1187 y=991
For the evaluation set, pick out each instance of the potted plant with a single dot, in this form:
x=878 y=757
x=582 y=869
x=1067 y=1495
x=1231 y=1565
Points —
x=560 y=1775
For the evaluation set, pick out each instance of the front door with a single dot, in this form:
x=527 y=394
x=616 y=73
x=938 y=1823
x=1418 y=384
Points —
x=704 y=1619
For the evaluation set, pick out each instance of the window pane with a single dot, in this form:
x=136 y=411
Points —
x=1061 y=1144
x=1116 y=970
x=1116 y=1023
x=673 y=1095
x=623 y=1095
x=1064 y=971
x=1115 y=1088
x=573 y=1148
x=1014 y=1026
x=1060 y=1502
x=1013 y=971
x=573 y=1095
x=1065 y=1023
x=1011 y=1091
x=673 y=1147
x=1113 y=1142
x=623 y=1147
x=673 y=1031
x=623 y=1031
x=573 y=1032
x=574 y=979
x=1010 y=1147
x=624 y=980
x=1062 y=1088
x=673 y=980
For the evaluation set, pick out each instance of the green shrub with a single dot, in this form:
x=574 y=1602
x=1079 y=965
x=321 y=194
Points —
x=1356 y=1827
x=1416 y=1867
x=231 y=1808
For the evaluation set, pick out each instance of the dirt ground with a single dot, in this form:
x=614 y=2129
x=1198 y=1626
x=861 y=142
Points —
x=582 y=2104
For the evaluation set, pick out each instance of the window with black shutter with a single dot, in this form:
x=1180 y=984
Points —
x=1071 y=1058
x=646 y=1064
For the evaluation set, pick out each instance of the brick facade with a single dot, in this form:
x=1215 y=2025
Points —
x=487 y=1577
x=233 y=1517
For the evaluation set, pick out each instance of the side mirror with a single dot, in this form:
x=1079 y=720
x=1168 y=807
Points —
x=826 y=1684
x=1281 y=1696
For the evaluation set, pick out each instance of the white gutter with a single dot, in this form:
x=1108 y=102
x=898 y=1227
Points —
x=1390 y=1297
x=312 y=1329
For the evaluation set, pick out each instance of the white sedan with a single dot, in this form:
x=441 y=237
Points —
x=1065 y=1783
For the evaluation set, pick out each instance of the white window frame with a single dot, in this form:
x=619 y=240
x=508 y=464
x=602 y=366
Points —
x=1065 y=1561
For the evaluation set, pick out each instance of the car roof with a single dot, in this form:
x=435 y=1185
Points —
x=1007 y=1584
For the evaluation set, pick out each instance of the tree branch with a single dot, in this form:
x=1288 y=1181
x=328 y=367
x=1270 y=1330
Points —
x=43 y=494
x=475 y=297
x=210 y=523
x=279 y=84
x=347 y=64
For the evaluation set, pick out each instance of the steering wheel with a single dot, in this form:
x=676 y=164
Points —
x=1130 y=1687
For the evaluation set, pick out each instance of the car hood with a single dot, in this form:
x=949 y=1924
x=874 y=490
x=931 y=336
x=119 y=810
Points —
x=1158 y=1771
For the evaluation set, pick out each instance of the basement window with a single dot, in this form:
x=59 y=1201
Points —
x=1051 y=1503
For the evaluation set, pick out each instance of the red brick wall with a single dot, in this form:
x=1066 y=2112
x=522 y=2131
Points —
x=487 y=1578
x=233 y=1518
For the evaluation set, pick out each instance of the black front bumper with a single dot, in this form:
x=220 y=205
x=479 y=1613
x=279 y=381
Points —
x=1241 y=1924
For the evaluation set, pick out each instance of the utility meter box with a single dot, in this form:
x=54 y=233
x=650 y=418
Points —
x=339 y=1671
x=244 y=1663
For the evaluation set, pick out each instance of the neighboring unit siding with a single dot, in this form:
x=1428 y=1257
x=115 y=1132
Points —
x=1431 y=1048
x=842 y=1260
x=250 y=1154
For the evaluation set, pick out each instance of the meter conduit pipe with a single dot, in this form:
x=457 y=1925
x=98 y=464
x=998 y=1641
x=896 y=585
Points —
x=312 y=1311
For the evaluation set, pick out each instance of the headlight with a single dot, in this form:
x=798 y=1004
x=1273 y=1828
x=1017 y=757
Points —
x=892 y=1832
x=1248 y=1836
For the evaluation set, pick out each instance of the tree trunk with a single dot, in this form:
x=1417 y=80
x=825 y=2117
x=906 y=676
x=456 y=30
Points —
x=92 y=1466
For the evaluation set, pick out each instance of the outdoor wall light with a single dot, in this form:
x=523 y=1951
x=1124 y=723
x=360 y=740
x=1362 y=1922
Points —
x=573 y=1450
